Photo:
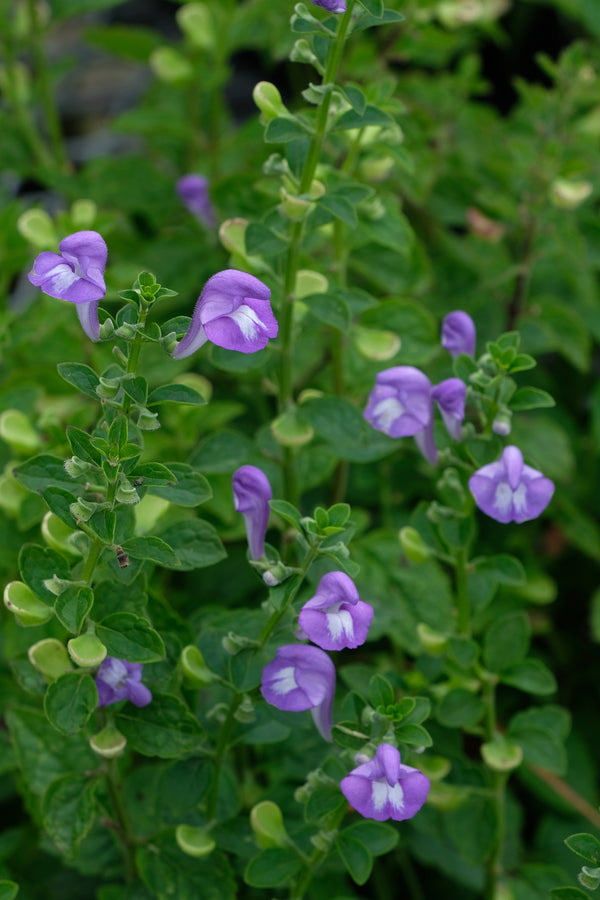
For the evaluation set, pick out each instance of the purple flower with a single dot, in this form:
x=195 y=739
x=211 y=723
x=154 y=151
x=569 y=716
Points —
x=301 y=677
x=117 y=679
x=336 y=6
x=383 y=788
x=510 y=491
x=233 y=311
x=336 y=617
x=400 y=403
x=75 y=274
x=193 y=192
x=458 y=333
x=251 y=495
x=450 y=396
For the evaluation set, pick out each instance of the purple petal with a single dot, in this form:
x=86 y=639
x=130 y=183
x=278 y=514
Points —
x=138 y=693
x=251 y=495
x=301 y=677
x=88 y=316
x=336 y=6
x=246 y=329
x=458 y=333
x=450 y=395
x=193 y=192
x=335 y=617
x=117 y=679
x=384 y=788
x=400 y=403
x=510 y=491
x=77 y=273
x=425 y=442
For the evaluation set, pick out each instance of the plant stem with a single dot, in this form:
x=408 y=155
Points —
x=96 y=548
x=316 y=858
x=219 y=755
x=279 y=613
x=286 y=309
x=462 y=595
x=113 y=781
x=498 y=787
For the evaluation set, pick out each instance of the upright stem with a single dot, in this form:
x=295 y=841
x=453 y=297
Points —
x=293 y=256
x=220 y=750
x=498 y=780
x=95 y=550
x=113 y=781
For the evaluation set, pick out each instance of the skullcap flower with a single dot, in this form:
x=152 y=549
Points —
x=233 y=311
x=301 y=677
x=336 y=617
x=510 y=491
x=336 y=6
x=75 y=274
x=400 y=403
x=251 y=495
x=117 y=679
x=450 y=396
x=458 y=333
x=193 y=192
x=384 y=788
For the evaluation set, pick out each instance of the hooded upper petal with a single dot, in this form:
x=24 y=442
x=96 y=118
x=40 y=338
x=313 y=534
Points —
x=301 y=677
x=251 y=495
x=400 y=403
x=510 y=491
x=193 y=192
x=384 y=788
x=234 y=312
x=76 y=273
x=458 y=333
x=336 y=618
x=450 y=395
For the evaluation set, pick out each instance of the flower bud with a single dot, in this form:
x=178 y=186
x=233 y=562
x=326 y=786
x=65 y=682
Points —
x=268 y=99
x=28 y=609
x=49 y=656
x=17 y=431
x=36 y=226
x=87 y=650
x=194 y=841
x=108 y=743
x=502 y=423
x=196 y=22
x=267 y=824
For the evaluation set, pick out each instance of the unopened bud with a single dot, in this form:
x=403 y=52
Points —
x=502 y=423
x=268 y=100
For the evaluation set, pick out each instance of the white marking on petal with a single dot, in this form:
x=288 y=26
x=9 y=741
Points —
x=340 y=622
x=284 y=681
x=383 y=793
x=247 y=321
x=503 y=497
x=387 y=411
x=520 y=499
x=115 y=674
x=60 y=278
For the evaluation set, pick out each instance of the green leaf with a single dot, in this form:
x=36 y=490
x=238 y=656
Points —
x=530 y=398
x=8 y=889
x=263 y=241
x=503 y=568
x=355 y=856
x=59 y=502
x=137 y=389
x=410 y=733
x=38 y=564
x=153 y=474
x=273 y=867
x=540 y=732
x=586 y=846
x=191 y=488
x=339 y=207
x=73 y=606
x=342 y=425
x=460 y=708
x=568 y=893
x=377 y=837
x=196 y=544
x=70 y=701
x=506 y=641
x=330 y=309
x=170 y=874
x=127 y=636
x=223 y=453
x=380 y=691
x=372 y=115
x=287 y=511
x=282 y=129
x=531 y=675
x=374 y=7
x=69 y=811
x=473 y=827
x=325 y=800
x=355 y=97
x=42 y=472
x=164 y=728
x=175 y=393
x=152 y=548
x=81 y=377
x=81 y=445
x=521 y=363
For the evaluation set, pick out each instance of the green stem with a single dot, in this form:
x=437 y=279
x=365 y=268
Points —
x=316 y=858
x=498 y=787
x=44 y=80
x=286 y=309
x=462 y=595
x=279 y=613
x=96 y=548
x=219 y=755
x=113 y=781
